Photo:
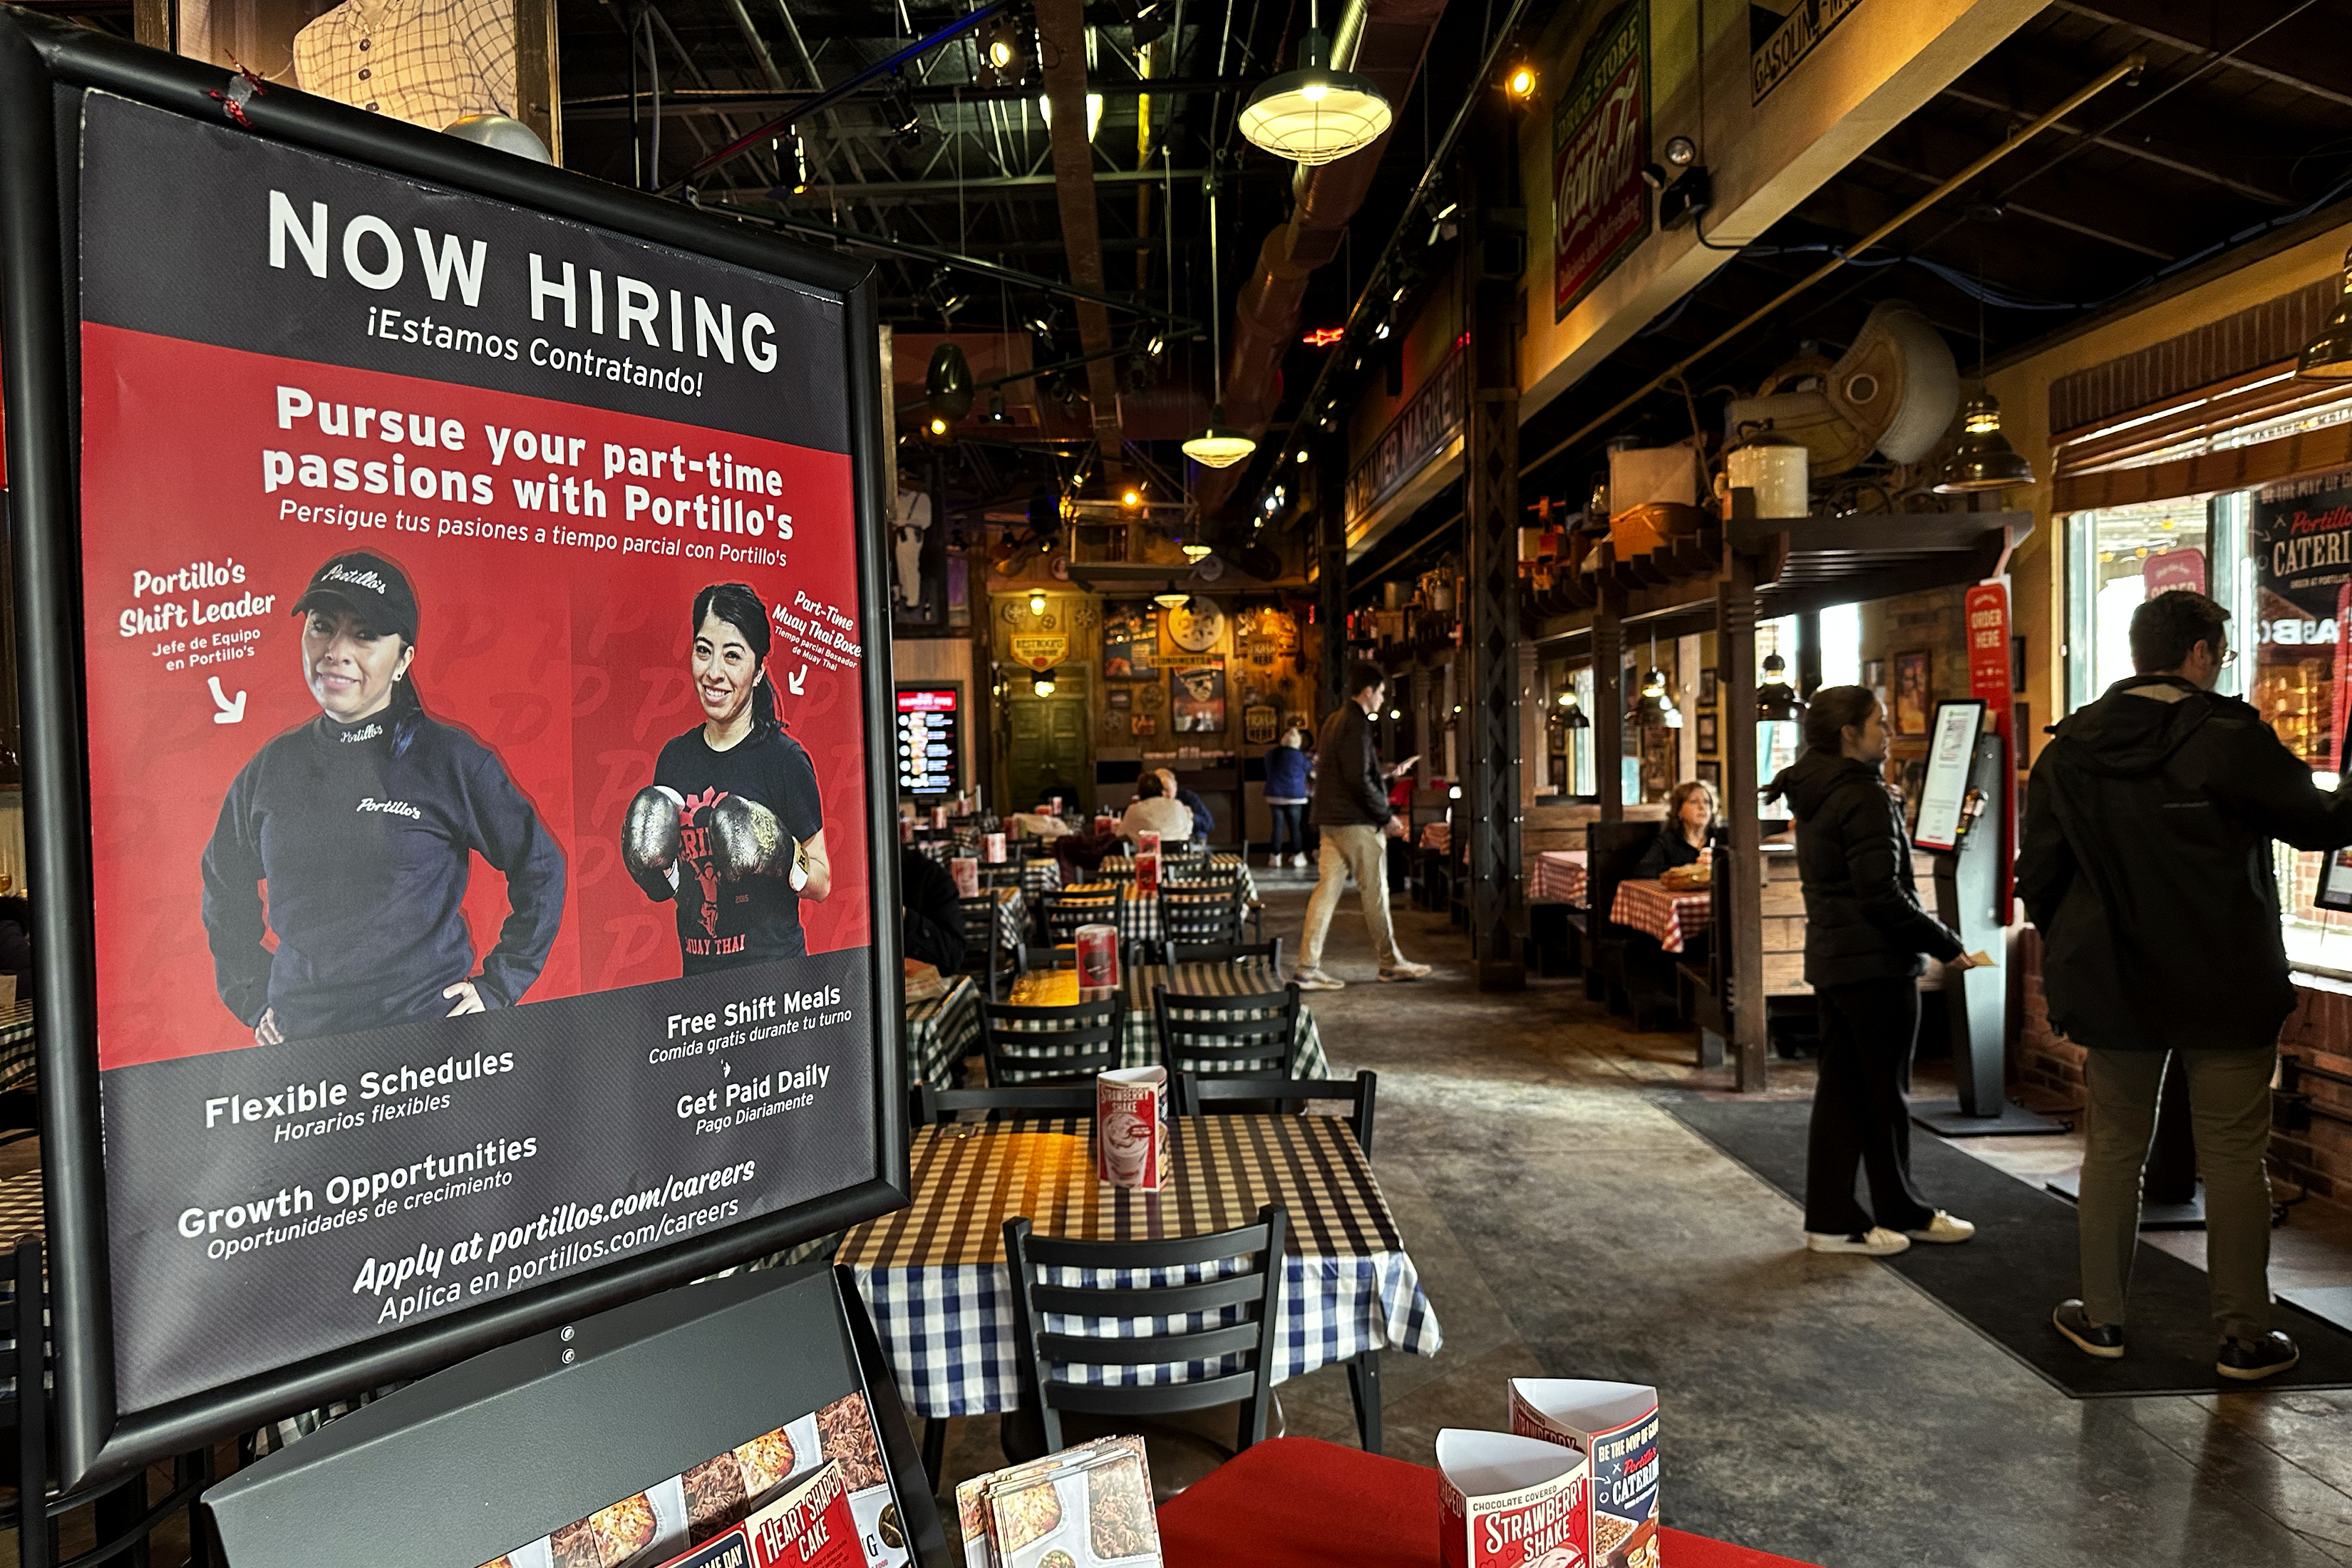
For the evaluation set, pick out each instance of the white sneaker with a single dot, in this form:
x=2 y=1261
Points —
x=1876 y=1242
x=1943 y=1227
x=1403 y=970
x=1316 y=980
x=1274 y=862
x=1299 y=861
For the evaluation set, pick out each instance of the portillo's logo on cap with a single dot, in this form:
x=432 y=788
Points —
x=337 y=572
x=369 y=587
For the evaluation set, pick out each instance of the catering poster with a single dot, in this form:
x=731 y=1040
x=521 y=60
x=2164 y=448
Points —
x=478 y=758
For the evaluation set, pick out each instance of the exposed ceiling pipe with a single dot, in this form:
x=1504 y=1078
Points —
x=1385 y=40
x=1061 y=53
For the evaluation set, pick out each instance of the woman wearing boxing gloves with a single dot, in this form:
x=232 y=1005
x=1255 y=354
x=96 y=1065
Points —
x=362 y=825
x=731 y=828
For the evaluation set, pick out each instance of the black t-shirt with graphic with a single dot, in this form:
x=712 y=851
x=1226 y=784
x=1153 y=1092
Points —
x=724 y=925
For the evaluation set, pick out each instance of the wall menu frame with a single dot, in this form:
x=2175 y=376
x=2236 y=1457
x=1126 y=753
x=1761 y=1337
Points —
x=574 y=1102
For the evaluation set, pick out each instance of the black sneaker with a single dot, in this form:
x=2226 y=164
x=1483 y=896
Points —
x=2105 y=1341
x=2249 y=1361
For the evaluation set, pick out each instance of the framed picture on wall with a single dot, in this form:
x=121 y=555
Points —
x=1196 y=696
x=1710 y=772
x=1907 y=713
x=1707 y=734
x=1707 y=691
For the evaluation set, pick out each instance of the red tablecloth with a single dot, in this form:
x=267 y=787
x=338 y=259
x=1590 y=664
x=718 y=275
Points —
x=1673 y=918
x=1557 y=877
x=1300 y=1502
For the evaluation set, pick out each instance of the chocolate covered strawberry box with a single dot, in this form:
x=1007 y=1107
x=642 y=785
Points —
x=1510 y=1501
x=1615 y=1426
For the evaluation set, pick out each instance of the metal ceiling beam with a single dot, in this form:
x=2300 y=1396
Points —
x=2145 y=154
x=1062 y=52
x=754 y=100
x=2022 y=210
x=980 y=188
x=2173 y=35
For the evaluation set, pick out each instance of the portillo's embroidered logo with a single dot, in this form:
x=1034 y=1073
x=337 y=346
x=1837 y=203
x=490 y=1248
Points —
x=390 y=808
x=368 y=733
x=344 y=574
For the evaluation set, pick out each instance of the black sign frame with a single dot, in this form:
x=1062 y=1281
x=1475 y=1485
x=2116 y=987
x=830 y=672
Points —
x=45 y=69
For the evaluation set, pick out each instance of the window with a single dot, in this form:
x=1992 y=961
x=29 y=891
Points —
x=2115 y=559
x=1842 y=645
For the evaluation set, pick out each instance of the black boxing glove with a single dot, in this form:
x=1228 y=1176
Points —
x=650 y=840
x=746 y=840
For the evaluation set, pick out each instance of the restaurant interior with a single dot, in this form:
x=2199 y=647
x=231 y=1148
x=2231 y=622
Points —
x=1613 y=376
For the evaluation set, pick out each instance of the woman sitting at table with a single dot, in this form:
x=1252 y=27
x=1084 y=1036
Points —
x=1154 y=812
x=1687 y=836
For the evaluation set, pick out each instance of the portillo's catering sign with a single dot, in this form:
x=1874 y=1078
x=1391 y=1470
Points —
x=1601 y=140
x=477 y=761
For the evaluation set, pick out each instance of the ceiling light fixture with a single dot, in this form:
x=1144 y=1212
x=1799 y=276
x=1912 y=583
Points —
x=1037 y=601
x=1776 y=702
x=1042 y=684
x=1982 y=459
x=2329 y=356
x=1219 y=445
x=1131 y=498
x=1195 y=551
x=1171 y=599
x=1315 y=114
x=1520 y=81
x=947 y=381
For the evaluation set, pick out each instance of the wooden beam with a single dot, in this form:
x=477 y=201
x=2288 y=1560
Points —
x=1736 y=663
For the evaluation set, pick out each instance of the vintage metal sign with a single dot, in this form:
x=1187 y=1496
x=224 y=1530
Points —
x=1779 y=52
x=1427 y=424
x=1601 y=140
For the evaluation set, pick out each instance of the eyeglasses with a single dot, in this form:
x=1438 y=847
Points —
x=2229 y=658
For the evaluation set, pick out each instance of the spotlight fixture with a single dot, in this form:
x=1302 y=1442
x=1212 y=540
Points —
x=1520 y=82
x=1042 y=684
x=1380 y=332
x=1983 y=459
x=2329 y=356
x=800 y=165
x=898 y=111
x=1094 y=113
x=996 y=413
x=1037 y=601
x=937 y=424
x=1040 y=322
x=1302 y=456
x=1681 y=151
x=1444 y=222
x=1315 y=114
x=1131 y=498
x=1776 y=700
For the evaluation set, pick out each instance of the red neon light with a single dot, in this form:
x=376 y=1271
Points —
x=1324 y=337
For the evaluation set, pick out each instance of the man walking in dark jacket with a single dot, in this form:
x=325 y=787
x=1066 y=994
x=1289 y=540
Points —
x=2146 y=868
x=1351 y=808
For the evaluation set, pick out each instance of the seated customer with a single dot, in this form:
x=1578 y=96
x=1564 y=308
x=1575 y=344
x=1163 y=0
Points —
x=932 y=928
x=1153 y=812
x=1203 y=823
x=1687 y=836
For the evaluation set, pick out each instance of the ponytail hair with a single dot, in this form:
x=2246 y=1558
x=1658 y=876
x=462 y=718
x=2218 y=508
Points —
x=407 y=708
x=738 y=607
x=1830 y=712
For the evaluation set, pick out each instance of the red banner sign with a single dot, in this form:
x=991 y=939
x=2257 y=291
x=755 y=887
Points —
x=1988 y=677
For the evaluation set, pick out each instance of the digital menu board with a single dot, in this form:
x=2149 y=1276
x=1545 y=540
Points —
x=931 y=740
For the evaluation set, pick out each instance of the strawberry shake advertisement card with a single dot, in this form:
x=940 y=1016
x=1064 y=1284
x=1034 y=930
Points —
x=1615 y=1426
x=1507 y=1502
x=479 y=782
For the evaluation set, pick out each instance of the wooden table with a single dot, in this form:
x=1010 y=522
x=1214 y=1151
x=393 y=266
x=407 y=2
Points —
x=933 y=1273
x=1673 y=918
x=20 y=1209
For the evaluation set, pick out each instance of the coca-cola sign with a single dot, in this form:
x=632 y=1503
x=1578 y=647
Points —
x=1599 y=140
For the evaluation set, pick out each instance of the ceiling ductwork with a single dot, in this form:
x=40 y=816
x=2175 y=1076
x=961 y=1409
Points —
x=1382 y=40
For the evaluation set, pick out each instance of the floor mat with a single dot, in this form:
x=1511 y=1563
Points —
x=2022 y=1263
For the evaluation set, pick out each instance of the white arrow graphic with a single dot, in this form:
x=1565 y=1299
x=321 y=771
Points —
x=797 y=681
x=232 y=710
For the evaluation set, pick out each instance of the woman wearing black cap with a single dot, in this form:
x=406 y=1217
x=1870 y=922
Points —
x=361 y=825
x=731 y=828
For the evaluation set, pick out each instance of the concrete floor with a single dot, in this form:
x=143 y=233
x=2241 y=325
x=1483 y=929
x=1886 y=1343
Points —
x=1566 y=1225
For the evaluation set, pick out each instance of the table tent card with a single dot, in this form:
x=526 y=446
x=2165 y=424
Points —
x=1509 y=1502
x=1615 y=1426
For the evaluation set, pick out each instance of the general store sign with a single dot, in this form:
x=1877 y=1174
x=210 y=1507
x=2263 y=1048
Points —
x=1601 y=140
x=1777 y=53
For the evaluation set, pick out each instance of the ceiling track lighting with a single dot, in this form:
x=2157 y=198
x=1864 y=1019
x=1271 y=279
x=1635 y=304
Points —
x=1315 y=114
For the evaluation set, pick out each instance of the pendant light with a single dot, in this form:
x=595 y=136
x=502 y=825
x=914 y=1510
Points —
x=1574 y=717
x=2329 y=356
x=1315 y=114
x=1983 y=459
x=1654 y=708
x=1220 y=446
x=1776 y=700
x=1171 y=599
x=1041 y=684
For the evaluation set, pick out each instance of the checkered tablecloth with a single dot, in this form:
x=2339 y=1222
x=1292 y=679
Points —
x=1040 y=877
x=1557 y=878
x=1139 y=1042
x=933 y=1273
x=1437 y=836
x=1222 y=868
x=17 y=1045
x=20 y=1209
x=1138 y=914
x=1011 y=916
x=1673 y=918
x=941 y=1031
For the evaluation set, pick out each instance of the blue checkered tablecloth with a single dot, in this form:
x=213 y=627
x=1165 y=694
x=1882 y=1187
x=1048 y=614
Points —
x=1139 y=1039
x=933 y=1273
x=941 y=1031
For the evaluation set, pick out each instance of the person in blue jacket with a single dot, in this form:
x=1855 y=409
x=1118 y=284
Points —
x=1288 y=791
x=361 y=826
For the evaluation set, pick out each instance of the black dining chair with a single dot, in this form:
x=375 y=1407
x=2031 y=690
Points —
x=1225 y=951
x=1193 y=1094
x=1048 y=1045
x=1241 y=1315
x=931 y=1107
x=1193 y=913
x=1221 y=1035
x=1065 y=912
x=985 y=953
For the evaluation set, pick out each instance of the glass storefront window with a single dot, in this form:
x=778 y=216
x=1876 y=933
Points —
x=2114 y=560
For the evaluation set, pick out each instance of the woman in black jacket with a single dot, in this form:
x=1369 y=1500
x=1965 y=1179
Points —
x=1867 y=940
x=1687 y=835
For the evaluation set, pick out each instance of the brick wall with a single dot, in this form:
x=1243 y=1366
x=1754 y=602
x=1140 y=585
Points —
x=2046 y=1068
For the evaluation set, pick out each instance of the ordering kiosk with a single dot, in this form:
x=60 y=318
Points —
x=1965 y=766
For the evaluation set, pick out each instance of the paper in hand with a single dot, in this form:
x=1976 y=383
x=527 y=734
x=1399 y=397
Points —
x=1981 y=959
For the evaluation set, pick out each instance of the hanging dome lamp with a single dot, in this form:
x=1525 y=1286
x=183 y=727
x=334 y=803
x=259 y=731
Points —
x=1315 y=114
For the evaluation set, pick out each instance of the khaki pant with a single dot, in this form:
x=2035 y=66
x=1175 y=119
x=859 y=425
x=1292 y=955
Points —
x=2230 y=1110
x=1357 y=849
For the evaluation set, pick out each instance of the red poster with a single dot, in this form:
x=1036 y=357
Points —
x=1601 y=204
x=1989 y=678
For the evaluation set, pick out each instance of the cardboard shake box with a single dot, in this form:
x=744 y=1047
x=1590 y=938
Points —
x=1131 y=1127
x=1507 y=1502
x=1615 y=1426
